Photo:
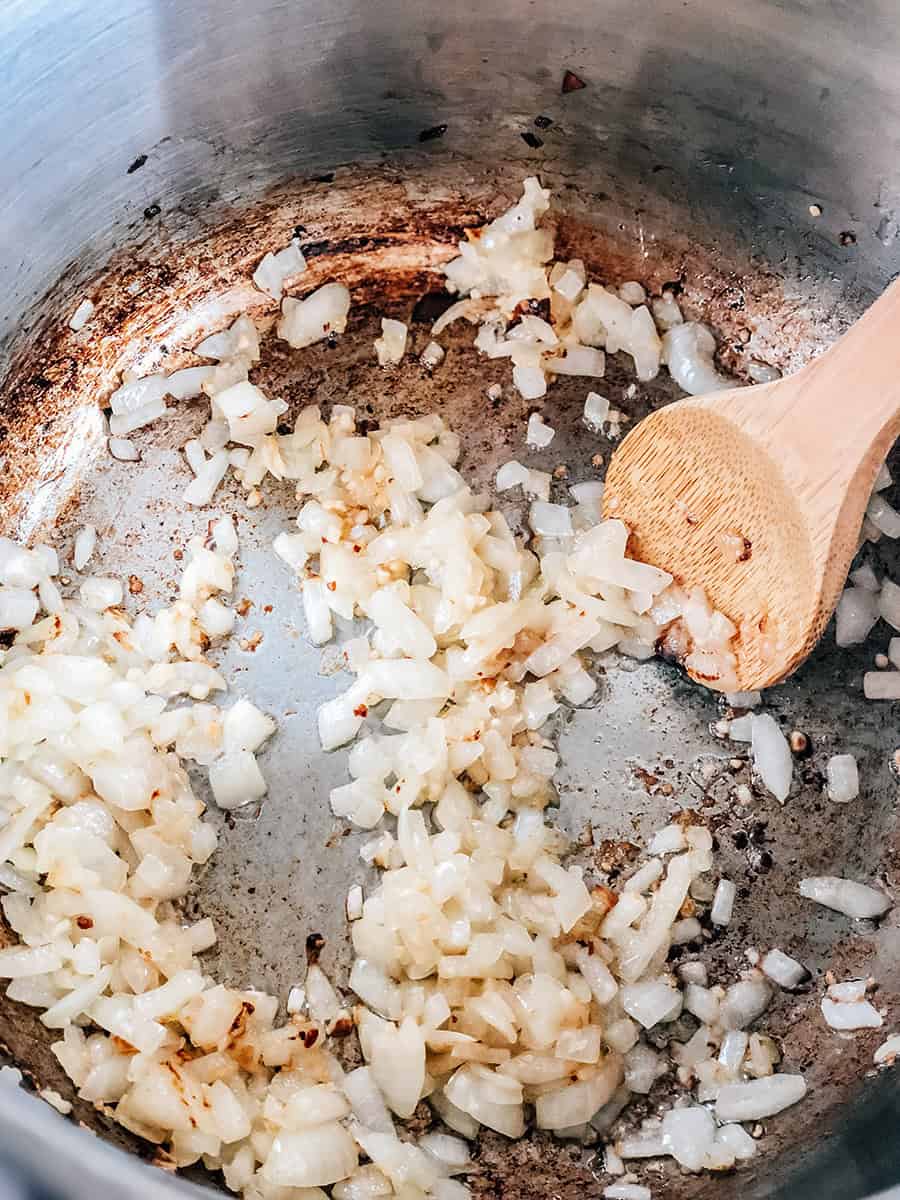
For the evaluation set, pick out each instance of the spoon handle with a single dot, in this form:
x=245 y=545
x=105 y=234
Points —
x=852 y=391
x=831 y=425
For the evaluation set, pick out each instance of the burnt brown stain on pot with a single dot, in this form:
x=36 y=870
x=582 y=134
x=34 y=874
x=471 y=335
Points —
x=142 y=296
x=367 y=230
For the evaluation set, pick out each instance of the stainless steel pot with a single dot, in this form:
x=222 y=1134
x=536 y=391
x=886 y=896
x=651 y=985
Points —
x=152 y=151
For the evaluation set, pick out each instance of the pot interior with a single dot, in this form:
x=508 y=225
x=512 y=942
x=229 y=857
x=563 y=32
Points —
x=642 y=750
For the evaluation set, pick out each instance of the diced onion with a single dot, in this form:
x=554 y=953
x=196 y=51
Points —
x=723 y=903
x=596 y=410
x=859 y=1014
x=846 y=896
x=759 y=1098
x=772 y=755
x=782 y=969
x=843 y=778
x=321 y=314
x=123 y=449
x=81 y=315
x=391 y=346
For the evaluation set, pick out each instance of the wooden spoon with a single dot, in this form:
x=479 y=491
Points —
x=757 y=494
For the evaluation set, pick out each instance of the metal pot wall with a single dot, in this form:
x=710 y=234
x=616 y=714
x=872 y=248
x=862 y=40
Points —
x=151 y=151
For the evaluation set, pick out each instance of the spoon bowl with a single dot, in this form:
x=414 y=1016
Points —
x=758 y=494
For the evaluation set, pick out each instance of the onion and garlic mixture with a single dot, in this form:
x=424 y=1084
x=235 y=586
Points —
x=491 y=981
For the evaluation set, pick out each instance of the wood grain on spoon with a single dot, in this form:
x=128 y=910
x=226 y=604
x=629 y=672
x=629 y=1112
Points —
x=757 y=494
